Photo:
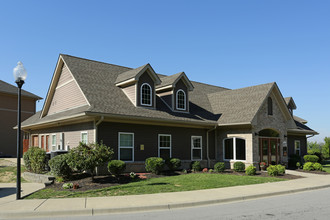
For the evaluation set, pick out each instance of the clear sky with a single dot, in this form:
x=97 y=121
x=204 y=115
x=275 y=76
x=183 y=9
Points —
x=233 y=43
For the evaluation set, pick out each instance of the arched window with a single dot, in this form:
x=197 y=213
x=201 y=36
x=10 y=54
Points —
x=270 y=106
x=234 y=149
x=146 y=94
x=181 y=100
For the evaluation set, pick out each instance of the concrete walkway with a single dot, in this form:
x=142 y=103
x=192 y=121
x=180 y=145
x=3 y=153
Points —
x=10 y=208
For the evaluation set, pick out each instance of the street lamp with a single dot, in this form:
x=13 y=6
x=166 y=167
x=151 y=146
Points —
x=19 y=75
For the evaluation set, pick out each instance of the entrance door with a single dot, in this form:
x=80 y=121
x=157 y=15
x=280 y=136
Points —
x=269 y=150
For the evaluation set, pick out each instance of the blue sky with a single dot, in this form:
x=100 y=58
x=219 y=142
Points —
x=233 y=44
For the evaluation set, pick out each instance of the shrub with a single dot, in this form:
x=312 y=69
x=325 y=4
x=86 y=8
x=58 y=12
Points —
x=35 y=159
x=239 y=166
x=293 y=159
x=210 y=171
x=196 y=166
x=67 y=186
x=298 y=165
x=59 y=166
x=173 y=163
x=281 y=169
x=318 y=166
x=308 y=166
x=132 y=175
x=272 y=170
x=86 y=157
x=311 y=158
x=116 y=167
x=251 y=170
x=219 y=167
x=154 y=164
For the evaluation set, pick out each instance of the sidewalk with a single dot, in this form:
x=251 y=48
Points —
x=10 y=208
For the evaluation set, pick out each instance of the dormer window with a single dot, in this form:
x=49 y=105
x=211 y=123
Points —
x=146 y=94
x=181 y=100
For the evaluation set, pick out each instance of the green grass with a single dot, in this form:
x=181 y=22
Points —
x=162 y=184
x=326 y=166
x=8 y=174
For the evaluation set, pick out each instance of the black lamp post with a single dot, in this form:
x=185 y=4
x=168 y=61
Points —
x=19 y=75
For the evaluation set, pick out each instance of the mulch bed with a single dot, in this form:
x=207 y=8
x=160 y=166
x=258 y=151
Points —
x=86 y=183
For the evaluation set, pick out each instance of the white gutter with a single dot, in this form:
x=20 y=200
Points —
x=207 y=145
x=96 y=124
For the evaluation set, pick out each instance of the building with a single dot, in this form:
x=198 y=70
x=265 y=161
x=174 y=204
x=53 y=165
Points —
x=8 y=116
x=141 y=114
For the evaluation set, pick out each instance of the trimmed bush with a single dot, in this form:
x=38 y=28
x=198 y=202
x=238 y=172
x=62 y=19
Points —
x=196 y=166
x=308 y=166
x=59 y=166
x=116 y=167
x=251 y=170
x=219 y=167
x=272 y=170
x=173 y=163
x=239 y=166
x=35 y=160
x=311 y=158
x=298 y=165
x=318 y=166
x=281 y=169
x=154 y=164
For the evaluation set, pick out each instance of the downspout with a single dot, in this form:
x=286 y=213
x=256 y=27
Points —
x=207 y=145
x=96 y=124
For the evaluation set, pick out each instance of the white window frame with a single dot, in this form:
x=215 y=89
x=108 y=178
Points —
x=54 y=147
x=185 y=100
x=194 y=148
x=165 y=148
x=151 y=95
x=234 y=149
x=126 y=147
x=81 y=137
x=295 y=148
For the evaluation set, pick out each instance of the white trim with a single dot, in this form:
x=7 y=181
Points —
x=196 y=148
x=81 y=133
x=126 y=81
x=165 y=148
x=151 y=94
x=185 y=100
x=55 y=147
x=126 y=147
x=67 y=82
x=234 y=149
x=295 y=150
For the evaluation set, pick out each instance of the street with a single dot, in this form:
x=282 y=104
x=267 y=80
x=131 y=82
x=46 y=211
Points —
x=306 y=205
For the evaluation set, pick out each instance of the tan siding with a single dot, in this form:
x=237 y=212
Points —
x=130 y=92
x=65 y=76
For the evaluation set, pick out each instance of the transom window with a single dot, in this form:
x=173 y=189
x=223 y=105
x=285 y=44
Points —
x=181 y=100
x=126 y=146
x=196 y=148
x=297 y=147
x=84 y=137
x=165 y=146
x=146 y=98
x=234 y=149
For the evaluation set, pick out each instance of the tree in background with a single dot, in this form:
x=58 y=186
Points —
x=326 y=147
x=319 y=149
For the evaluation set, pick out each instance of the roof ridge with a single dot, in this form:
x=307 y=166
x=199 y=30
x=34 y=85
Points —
x=96 y=61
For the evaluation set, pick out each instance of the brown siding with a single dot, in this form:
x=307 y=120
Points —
x=130 y=92
x=66 y=96
x=145 y=78
x=9 y=102
x=167 y=97
x=303 y=144
x=147 y=135
x=180 y=85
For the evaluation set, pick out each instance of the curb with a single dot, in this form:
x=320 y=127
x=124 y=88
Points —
x=169 y=206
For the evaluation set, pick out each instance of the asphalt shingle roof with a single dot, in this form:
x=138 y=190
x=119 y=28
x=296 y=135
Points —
x=11 y=89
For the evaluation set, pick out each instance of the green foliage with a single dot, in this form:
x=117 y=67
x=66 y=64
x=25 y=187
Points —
x=86 y=157
x=293 y=160
x=308 y=166
x=298 y=165
x=67 y=186
x=251 y=170
x=272 y=170
x=239 y=166
x=196 y=166
x=59 y=166
x=326 y=148
x=173 y=163
x=317 y=166
x=219 y=167
x=154 y=164
x=319 y=149
x=211 y=171
x=311 y=158
x=116 y=167
x=35 y=160
x=281 y=169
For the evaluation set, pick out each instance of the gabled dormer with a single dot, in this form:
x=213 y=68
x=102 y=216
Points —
x=174 y=91
x=139 y=85
x=290 y=103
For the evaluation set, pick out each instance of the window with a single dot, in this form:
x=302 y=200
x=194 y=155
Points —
x=234 y=149
x=126 y=146
x=53 y=142
x=196 y=148
x=84 y=137
x=181 y=100
x=270 y=106
x=297 y=147
x=146 y=94
x=164 y=146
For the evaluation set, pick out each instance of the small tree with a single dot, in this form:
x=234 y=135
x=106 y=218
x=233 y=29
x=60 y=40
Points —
x=86 y=157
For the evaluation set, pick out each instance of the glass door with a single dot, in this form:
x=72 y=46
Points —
x=269 y=150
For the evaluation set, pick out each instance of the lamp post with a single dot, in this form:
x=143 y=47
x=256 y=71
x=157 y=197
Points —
x=19 y=75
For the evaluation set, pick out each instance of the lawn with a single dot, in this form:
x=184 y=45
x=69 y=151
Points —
x=326 y=166
x=194 y=181
x=8 y=174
